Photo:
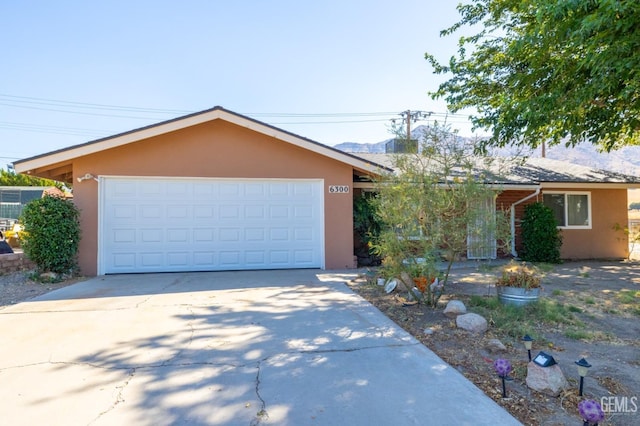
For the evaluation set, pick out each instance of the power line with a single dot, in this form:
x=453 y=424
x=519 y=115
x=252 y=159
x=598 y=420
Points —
x=106 y=110
x=72 y=104
x=28 y=101
x=80 y=112
x=42 y=128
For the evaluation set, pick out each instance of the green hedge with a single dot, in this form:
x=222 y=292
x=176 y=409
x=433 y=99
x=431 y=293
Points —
x=541 y=238
x=51 y=234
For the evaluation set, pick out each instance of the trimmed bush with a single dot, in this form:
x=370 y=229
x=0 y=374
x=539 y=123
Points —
x=51 y=234
x=541 y=238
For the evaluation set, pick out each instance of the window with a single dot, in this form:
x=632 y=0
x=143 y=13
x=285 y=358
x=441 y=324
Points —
x=571 y=209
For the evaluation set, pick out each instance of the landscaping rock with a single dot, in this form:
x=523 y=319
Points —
x=407 y=281
x=428 y=331
x=495 y=345
x=455 y=308
x=472 y=322
x=48 y=276
x=548 y=380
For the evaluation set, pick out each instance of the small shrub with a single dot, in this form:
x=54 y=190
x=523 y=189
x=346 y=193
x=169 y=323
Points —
x=541 y=238
x=51 y=234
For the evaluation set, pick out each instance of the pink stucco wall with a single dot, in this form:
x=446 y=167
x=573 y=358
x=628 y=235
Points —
x=217 y=149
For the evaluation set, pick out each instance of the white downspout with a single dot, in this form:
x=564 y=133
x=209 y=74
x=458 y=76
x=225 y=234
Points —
x=513 y=220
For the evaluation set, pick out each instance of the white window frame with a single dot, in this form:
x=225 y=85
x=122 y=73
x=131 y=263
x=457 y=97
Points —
x=566 y=208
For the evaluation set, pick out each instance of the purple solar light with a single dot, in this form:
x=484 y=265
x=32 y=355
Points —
x=591 y=411
x=502 y=366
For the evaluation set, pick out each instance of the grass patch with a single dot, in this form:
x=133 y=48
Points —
x=590 y=300
x=557 y=293
x=628 y=297
x=572 y=308
x=577 y=334
x=532 y=319
x=545 y=267
x=629 y=301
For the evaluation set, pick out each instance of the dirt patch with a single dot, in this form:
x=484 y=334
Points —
x=603 y=296
x=19 y=286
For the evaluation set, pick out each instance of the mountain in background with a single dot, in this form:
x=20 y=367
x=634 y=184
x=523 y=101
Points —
x=625 y=160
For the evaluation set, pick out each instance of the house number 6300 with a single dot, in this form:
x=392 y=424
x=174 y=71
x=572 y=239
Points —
x=338 y=189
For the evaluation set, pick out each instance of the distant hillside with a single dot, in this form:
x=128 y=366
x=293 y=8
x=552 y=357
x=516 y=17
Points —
x=625 y=160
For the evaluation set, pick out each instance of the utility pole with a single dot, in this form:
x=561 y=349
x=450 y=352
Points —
x=409 y=116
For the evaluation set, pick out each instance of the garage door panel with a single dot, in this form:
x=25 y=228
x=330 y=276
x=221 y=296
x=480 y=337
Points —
x=254 y=235
x=204 y=258
x=151 y=260
x=124 y=260
x=149 y=189
x=124 y=189
x=178 y=236
x=279 y=191
x=124 y=235
x=156 y=225
x=303 y=257
x=178 y=259
x=204 y=235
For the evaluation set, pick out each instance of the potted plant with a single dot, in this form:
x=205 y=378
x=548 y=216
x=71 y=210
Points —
x=519 y=284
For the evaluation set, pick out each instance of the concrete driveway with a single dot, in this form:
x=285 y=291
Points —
x=235 y=348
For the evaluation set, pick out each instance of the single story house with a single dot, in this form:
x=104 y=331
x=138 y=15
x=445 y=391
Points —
x=216 y=190
x=213 y=190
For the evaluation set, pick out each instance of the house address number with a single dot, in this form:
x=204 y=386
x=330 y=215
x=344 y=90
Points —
x=338 y=189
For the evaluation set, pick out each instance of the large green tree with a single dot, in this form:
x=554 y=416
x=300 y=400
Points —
x=553 y=71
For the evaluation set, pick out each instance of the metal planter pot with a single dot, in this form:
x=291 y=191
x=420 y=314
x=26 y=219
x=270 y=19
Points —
x=517 y=296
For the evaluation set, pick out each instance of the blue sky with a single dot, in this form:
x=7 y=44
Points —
x=332 y=71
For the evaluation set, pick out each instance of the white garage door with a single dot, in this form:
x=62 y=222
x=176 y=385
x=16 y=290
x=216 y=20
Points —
x=171 y=225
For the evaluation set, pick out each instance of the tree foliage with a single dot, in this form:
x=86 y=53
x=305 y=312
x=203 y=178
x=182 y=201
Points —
x=432 y=208
x=367 y=226
x=8 y=178
x=51 y=234
x=548 y=71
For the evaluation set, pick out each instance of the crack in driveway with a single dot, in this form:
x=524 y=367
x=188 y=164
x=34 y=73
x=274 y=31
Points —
x=263 y=414
x=119 y=397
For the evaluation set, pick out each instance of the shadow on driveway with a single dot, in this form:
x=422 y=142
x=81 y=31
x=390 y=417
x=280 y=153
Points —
x=260 y=347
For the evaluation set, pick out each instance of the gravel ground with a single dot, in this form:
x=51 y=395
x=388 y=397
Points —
x=18 y=286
